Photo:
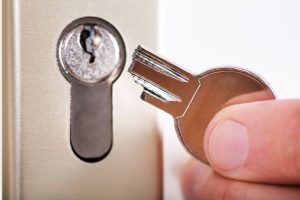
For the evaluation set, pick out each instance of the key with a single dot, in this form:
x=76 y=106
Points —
x=193 y=100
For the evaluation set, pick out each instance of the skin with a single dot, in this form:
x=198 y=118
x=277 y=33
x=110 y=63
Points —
x=271 y=167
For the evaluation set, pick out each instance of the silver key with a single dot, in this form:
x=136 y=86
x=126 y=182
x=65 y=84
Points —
x=193 y=100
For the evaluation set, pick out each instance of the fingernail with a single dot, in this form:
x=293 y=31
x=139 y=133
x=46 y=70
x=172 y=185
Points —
x=228 y=145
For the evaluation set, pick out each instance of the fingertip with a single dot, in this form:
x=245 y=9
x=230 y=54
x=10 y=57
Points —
x=228 y=145
x=191 y=175
x=226 y=141
x=249 y=141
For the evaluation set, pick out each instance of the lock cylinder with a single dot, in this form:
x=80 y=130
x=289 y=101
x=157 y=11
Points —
x=91 y=50
x=91 y=55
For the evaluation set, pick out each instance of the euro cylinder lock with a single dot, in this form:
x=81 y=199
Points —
x=91 y=55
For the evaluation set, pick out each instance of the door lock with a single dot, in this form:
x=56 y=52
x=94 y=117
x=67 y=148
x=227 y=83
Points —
x=91 y=55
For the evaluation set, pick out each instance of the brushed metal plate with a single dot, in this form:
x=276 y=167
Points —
x=38 y=160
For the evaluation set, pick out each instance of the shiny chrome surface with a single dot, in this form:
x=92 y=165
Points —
x=82 y=60
x=176 y=83
x=201 y=96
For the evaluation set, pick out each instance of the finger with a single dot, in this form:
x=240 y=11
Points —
x=261 y=95
x=257 y=142
x=201 y=182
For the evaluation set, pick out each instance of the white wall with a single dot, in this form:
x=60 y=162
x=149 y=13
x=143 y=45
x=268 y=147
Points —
x=260 y=35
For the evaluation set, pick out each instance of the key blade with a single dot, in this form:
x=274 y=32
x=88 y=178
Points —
x=155 y=91
x=157 y=64
x=166 y=86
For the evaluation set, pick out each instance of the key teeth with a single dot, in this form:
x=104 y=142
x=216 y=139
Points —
x=155 y=91
x=171 y=91
x=144 y=57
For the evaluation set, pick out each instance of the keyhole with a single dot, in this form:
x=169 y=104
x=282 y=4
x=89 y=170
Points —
x=90 y=39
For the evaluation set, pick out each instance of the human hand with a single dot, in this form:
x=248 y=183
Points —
x=254 y=153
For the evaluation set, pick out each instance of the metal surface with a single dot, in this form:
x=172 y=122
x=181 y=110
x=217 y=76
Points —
x=199 y=97
x=80 y=59
x=91 y=55
x=91 y=131
x=38 y=162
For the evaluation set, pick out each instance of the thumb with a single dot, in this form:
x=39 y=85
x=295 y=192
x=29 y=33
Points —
x=257 y=142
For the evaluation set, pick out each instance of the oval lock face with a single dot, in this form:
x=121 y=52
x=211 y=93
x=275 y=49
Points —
x=91 y=55
x=220 y=87
x=91 y=50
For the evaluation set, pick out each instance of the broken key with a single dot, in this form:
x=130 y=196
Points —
x=193 y=100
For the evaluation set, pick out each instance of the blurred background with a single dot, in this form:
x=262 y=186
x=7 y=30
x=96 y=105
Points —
x=260 y=35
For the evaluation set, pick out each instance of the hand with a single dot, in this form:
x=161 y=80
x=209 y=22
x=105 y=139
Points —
x=254 y=153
